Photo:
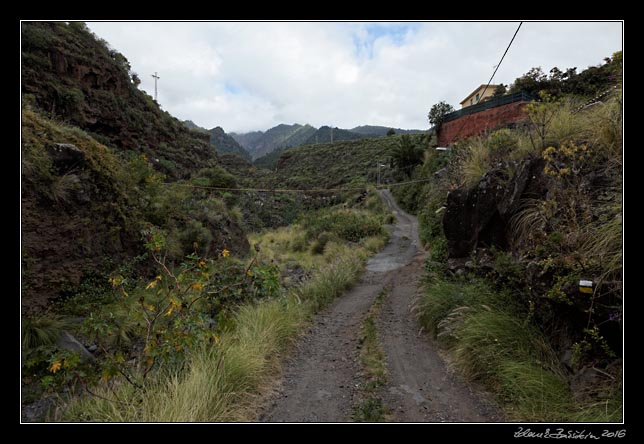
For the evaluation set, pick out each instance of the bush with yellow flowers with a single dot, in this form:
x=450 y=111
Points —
x=157 y=323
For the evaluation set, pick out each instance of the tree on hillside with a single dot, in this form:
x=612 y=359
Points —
x=500 y=90
x=531 y=82
x=558 y=83
x=406 y=155
x=391 y=132
x=438 y=111
x=136 y=79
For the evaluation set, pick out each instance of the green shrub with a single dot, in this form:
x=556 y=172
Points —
x=216 y=177
x=317 y=247
x=476 y=161
x=439 y=249
x=443 y=296
x=501 y=143
x=374 y=243
x=350 y=225
x=298 y=244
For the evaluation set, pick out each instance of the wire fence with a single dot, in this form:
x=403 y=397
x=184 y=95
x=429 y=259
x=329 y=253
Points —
x=296 y=190
x=488 y=104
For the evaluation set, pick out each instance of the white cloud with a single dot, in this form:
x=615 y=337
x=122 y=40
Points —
x=249 y=76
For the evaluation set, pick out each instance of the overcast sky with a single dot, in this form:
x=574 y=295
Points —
x=253 y=76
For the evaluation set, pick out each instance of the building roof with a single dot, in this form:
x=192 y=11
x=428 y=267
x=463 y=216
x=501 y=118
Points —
x=490 y=87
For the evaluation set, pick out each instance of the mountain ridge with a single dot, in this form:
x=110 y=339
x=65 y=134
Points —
x=260 y=144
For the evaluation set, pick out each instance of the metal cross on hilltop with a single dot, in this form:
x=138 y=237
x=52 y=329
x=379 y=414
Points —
x=156 y=77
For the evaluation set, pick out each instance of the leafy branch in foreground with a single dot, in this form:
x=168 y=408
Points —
x=156 y=325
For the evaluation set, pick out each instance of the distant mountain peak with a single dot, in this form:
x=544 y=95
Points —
x=223 y=143
x=260 y=143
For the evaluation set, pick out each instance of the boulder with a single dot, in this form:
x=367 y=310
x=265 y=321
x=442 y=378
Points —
x=472 y=218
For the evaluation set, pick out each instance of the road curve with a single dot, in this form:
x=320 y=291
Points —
x=320 y=379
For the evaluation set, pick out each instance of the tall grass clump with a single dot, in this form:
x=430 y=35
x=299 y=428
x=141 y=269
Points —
x=476 y=161
x=495 y=344
x=41 y=330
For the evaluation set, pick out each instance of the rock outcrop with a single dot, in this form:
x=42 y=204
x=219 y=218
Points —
x=479 y=216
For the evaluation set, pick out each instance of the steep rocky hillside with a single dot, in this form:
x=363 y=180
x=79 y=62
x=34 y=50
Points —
x=77 y=214
x=84 y=208
x=101 y=165
x=75 y=77
x=225 y=144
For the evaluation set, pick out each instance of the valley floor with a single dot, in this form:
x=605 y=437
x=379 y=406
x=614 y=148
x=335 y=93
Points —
x=323 y=380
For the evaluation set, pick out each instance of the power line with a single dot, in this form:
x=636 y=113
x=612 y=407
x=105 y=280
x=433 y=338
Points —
x=495 y=70
x=293 y=190
x=502 y=57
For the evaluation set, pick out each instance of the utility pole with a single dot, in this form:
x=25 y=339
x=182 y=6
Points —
x=156 y=77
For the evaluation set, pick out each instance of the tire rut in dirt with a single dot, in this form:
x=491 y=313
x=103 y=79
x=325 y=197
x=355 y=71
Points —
x=318 y=384
x=420 y=388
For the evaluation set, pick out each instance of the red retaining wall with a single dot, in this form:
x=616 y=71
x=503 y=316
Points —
x=478 y=123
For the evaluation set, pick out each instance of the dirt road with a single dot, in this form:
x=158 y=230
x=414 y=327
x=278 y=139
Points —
x=321 y=379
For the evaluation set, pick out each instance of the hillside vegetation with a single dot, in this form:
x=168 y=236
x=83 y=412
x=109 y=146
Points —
x=75 y=77
x=379 y=131
x=95 y=154
x=225 y=144
x=335 y=164
x=514 y=220
x=326 y=134
x=201 y=339
x=266 y=146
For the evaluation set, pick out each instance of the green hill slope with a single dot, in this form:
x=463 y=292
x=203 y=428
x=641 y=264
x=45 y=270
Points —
x=377 y=131
x=269 y=161
x=328 y=165
x=75 y=77
x=325 y=135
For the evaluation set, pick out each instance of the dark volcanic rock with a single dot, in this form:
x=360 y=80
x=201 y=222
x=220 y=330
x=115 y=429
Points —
x=479 y=216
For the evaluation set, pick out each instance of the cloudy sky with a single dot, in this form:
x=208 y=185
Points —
x=253 y=76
